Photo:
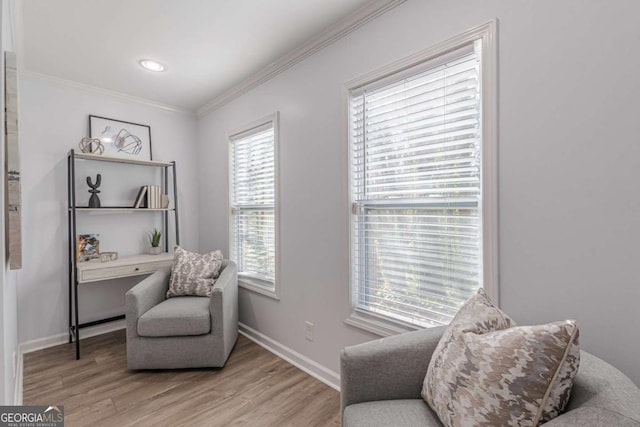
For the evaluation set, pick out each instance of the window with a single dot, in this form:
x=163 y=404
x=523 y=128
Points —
x=421 y=221
x=253 y=197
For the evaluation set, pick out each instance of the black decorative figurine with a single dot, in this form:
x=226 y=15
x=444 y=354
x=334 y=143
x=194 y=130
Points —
x=94 y=200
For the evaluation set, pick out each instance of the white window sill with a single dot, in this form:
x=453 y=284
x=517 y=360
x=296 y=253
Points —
x=377 y=325
x=258 y=287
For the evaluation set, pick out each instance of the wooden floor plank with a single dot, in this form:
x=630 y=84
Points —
x=255 y=388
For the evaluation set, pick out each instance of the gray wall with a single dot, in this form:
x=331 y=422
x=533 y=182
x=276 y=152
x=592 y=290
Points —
x=568 y=166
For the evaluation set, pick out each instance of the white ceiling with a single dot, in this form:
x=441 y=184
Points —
x=208 y=45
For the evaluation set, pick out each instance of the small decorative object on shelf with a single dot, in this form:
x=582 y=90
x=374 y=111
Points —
x=108 y=256
x=91 y=146
x=165 y=201
x=94 y=200
x=154 y=239
x=88 y=247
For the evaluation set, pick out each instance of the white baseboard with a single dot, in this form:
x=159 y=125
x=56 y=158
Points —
x=17 y=393
x=311 y=367
x=46 y=342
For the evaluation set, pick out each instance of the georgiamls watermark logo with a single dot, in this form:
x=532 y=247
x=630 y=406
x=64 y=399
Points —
x=31 y=416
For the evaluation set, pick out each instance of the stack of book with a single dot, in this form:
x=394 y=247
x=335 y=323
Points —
x=151 y=197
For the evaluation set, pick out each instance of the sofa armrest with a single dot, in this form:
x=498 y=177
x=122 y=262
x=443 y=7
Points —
x=224 y=303
x=388 y=368
x=145 y=295
x=592 y=417
x=600 y=387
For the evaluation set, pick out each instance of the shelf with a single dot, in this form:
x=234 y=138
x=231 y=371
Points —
x=125 y=266
x=96 y=157
x=105 y=210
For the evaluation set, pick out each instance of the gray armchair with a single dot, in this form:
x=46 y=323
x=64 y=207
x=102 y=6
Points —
x=381 y=382
x=181 y=332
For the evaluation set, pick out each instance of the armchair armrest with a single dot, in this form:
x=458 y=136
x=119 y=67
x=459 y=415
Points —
x=592 y=417
x=388 y=368
x=601 y=396
x=228 y=276
x=224 y=304
x=145 y=295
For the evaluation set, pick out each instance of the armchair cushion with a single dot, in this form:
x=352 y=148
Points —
x=176 y=317
x=193 y=274
x=384 y=413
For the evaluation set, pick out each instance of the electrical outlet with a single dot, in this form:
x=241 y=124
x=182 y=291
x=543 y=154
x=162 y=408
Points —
x=308 y=329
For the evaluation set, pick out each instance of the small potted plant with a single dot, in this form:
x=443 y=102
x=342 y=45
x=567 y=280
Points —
x=154 y=239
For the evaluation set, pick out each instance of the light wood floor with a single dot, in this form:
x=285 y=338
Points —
x=255 y=388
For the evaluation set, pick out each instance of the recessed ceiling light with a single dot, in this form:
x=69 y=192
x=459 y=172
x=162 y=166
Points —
x=151 y=65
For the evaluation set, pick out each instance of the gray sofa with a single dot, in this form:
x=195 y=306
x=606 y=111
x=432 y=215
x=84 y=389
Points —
x=181 y=332
x=381 y=382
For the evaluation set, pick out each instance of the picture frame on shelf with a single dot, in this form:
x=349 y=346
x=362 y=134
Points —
x=121 y=139
x=88 y=247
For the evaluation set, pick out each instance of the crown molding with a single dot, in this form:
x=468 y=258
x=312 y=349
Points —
x=105 y=92
x=329 y=36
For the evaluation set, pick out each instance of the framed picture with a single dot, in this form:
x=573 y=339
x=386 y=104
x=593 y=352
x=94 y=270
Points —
x=122 y=139
x=13 y=198
x=88 y=247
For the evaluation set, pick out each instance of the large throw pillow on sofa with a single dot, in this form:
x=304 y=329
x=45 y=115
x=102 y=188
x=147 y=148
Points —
x=193 y=274
x=486 y=371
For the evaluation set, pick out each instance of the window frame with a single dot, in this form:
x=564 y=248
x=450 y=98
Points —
x=246 y=281
x=486 y=34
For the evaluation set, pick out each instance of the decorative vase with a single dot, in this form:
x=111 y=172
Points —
x=155 y=250
x=94 y=200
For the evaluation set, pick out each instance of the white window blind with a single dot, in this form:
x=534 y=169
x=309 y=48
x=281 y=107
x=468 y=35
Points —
x=252 y=181
x=416 y=191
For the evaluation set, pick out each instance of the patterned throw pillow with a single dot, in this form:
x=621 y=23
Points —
x=193 y=274
x=486 y=371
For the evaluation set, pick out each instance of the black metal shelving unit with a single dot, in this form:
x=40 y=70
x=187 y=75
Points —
x=73 y=210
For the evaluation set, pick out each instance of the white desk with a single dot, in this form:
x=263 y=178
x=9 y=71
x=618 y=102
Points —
x=126 y=266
